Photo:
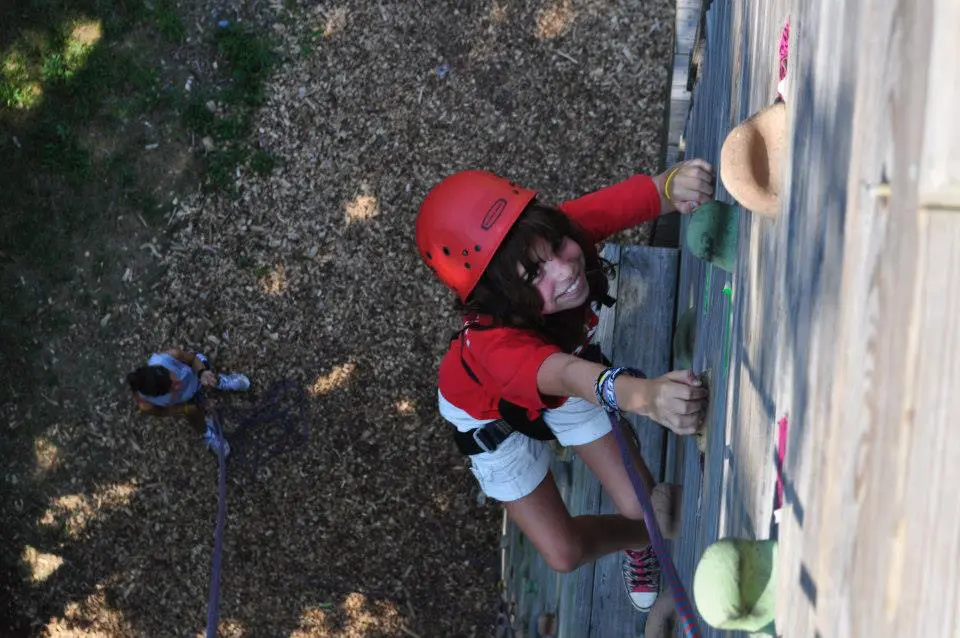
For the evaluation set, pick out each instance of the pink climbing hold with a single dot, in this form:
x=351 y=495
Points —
x=783 y=52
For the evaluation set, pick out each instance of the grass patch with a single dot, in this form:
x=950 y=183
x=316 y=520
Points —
x=168 y=21
x=262 y=162
x=222 y=165
x=83 y=93
x=250 y=60
x=71 y=69
x=39 y=58
x=224 y=114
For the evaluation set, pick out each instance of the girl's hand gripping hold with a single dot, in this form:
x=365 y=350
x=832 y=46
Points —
x=676 y=400
x=685 y=186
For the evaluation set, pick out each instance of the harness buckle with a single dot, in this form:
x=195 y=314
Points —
x=489 y=437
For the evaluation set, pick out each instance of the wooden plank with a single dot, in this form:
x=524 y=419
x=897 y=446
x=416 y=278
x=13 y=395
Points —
x=939 y=186
x=737 y=331
x=748 y=476
x=688 y=15
x=576 y=589
x=820 y=107
x=924 y=594
x=685 y=456
x=604 y=336
x=705 y=130
x=887 y=463
x=885 y=441
x=646 y=302
x=678 y=85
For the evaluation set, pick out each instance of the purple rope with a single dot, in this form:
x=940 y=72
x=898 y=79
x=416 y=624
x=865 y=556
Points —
x=685 y=614
x=213 y=604
x=276 y=425
x=288 y=436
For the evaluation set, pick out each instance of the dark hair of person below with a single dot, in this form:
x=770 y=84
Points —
x=150 y=381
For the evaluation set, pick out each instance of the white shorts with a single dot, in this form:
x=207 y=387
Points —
x=520 y=463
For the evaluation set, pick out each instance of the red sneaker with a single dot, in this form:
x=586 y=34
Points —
x=641 y=577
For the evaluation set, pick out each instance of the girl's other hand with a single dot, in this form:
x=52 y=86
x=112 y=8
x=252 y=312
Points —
x=677 y=401
x=686 y=185
x=208 y=379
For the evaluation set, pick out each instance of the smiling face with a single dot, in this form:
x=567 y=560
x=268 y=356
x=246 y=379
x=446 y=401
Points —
x=560 y=275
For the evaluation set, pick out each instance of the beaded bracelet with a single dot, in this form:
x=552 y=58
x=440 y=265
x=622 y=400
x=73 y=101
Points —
x=606 y=394
x=598 y=387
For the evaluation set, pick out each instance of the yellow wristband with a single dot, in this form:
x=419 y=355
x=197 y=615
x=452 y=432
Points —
x=666 y=185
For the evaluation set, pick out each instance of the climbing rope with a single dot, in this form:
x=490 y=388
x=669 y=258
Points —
x=213 y=603
x=686 y=616
x=272 y=427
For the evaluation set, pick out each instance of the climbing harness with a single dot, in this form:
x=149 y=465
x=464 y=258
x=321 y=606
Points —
x=514 y=418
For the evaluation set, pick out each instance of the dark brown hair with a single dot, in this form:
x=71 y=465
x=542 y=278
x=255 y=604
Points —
x=150 y=381
x=508 y=296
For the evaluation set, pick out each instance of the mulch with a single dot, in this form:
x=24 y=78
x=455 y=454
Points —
x=371 y=524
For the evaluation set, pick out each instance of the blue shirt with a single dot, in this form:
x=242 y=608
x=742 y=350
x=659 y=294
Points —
x=183 y=372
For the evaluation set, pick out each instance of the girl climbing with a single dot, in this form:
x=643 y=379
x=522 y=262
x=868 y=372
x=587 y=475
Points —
x=521 y=371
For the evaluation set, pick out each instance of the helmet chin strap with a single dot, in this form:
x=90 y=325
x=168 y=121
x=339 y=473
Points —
x=605 y=300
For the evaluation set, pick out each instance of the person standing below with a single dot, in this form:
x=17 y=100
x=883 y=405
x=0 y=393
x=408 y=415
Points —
x=170 y=383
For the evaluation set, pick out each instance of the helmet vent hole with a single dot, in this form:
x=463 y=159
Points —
x=429 y=256
x=466 y=265
x=477 y=248
x=446 y=251
x=465 y=252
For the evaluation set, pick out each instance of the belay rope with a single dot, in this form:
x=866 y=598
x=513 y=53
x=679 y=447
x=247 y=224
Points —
x=686 y=616
x=279 y=412
x=274 y=426
x=213 y=603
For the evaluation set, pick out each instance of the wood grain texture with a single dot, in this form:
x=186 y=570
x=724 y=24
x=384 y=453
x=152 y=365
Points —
x=820 y=108
x=646 y=302
x=869 y=546
x=737 y=332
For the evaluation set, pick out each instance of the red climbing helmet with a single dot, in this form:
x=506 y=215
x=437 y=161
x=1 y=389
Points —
x=462 y=222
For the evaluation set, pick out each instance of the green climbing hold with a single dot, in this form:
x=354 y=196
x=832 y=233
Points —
x=735 y=585
x=712 y=234
x=685 y=339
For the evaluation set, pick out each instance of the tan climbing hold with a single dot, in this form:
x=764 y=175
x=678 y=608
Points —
x=752 y=158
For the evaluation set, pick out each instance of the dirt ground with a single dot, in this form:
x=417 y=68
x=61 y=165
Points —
x=370 y=525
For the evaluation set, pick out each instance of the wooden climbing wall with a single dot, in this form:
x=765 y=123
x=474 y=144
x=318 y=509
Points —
x=739 y=316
